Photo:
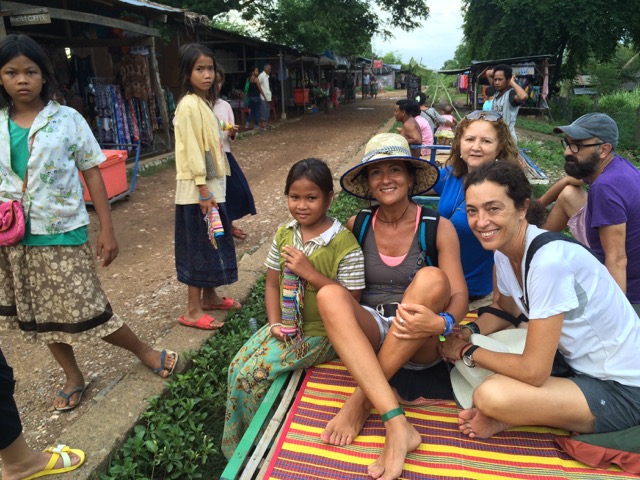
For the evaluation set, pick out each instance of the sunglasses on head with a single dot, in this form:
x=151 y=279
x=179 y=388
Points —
x=489 y=116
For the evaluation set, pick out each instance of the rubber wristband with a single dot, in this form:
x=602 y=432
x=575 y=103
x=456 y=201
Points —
x=201 y=198
x=473 y=326
x=464 y=347
x=391 y=413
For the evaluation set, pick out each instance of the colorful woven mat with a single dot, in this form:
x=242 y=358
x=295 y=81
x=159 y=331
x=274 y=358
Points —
x=523 y=453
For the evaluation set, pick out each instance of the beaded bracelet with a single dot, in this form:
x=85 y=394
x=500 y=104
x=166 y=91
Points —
x=275 y=325
x=208 y=198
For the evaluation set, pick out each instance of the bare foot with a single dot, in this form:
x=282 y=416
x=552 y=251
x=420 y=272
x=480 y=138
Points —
x=401 y=438
x=473 y=423
x=346 y=425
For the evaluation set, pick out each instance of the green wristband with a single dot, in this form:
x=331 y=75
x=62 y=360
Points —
x=391 y=413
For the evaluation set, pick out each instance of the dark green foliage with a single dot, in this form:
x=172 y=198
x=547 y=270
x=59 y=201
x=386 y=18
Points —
x=572 y=31
x=317 y=25
x=345 y=206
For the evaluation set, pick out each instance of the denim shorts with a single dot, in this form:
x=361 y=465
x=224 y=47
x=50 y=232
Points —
x=615 y=406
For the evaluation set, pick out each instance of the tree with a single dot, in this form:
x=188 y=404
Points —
x=318 y=25
x=573 y=31
x=392 y=58
x=461 y=58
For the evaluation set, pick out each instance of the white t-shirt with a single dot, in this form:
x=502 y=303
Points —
x=223 y=111
x=601 y=332
x=263 y=78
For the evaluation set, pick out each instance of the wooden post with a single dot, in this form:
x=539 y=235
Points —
x=157 y=86
x=283 y=115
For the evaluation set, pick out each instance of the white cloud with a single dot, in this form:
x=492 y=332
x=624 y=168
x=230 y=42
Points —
x=433 y=43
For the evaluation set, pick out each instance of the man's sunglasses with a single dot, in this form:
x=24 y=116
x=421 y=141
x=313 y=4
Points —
x=489 y=116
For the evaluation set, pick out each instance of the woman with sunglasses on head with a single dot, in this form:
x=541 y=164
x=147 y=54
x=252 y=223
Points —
x=481 y=137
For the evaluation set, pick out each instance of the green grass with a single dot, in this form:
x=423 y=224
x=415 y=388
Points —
x=535 y=125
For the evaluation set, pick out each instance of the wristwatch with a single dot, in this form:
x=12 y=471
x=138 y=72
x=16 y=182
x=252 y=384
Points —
x=467 y=358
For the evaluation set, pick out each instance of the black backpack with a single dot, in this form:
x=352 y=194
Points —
x=427 y=231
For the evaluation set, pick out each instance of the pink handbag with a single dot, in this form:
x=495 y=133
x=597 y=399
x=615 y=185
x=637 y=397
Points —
x=11 y=223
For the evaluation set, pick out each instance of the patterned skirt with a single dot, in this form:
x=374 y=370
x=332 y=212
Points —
x=197 y=263
x=256 y=365
x=53 y=294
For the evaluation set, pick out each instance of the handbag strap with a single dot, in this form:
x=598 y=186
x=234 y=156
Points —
x=26 y=172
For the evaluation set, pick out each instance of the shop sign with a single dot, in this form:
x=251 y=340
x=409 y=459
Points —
x=31 y=17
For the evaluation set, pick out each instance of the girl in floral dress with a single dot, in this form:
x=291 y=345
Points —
x=49 y=288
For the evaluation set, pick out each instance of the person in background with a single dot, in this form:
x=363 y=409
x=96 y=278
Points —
x=607 y=218
x=313 y=249
x=239 y=197
x=425 y=130
x=430 y=114
x=508 y=97
x=489 y=92
x=265 y=89
x=574 y=307
x=444 y=134
x=481 y=137
x=49 y=287
x=366 y=84
x=410 y=129
x=255 y=95
x=374 y=87
x=201 y=179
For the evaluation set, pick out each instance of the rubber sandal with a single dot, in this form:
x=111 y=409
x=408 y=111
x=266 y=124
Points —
x=228 y=303
x=206 y=322
x=67 y=397
x=57 y=452
x=162 y=368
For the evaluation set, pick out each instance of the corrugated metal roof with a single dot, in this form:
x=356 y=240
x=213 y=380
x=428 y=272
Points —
x=153 y=5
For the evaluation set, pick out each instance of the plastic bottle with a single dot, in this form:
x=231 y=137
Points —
x=226 y=125
x=253 y=325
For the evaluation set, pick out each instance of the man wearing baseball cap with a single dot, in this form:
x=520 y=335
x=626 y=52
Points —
x=607 y=219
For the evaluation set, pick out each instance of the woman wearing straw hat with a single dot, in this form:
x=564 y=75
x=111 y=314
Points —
x=404 y=308
x=574 y=305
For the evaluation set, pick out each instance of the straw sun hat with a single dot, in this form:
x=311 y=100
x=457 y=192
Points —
x=464 y=380
x=383 y=147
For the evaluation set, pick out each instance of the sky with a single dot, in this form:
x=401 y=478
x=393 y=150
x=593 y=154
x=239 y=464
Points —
x=432 y=44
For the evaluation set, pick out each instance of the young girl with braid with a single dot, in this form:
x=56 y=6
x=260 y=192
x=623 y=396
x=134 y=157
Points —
x=311 y=251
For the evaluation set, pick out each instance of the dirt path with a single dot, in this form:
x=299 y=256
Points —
x=141 y=282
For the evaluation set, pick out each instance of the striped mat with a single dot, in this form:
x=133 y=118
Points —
x=523 y=453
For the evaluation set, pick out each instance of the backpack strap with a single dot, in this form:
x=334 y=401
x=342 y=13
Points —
x=362 y=224
x=427 y=232
x=538 y=243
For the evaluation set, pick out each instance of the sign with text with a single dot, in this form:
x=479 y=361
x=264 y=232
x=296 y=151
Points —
x=377 y=64
x=30 y=17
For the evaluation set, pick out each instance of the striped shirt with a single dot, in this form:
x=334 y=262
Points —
x=351 y=268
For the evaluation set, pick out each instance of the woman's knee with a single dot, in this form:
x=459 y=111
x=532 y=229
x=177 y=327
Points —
x=491 y=395
x=331 y=298
x=432 y=282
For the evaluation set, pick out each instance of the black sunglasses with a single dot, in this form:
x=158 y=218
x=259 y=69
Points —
x=489 y=116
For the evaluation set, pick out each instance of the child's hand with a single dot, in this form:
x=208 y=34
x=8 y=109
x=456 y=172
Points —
x=297 y=262
x=106 y=246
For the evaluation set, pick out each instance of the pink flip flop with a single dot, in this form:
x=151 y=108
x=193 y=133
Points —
x=206 y=322
x=228 y=303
